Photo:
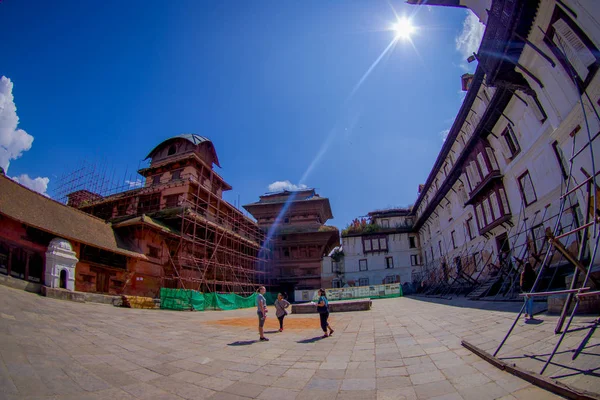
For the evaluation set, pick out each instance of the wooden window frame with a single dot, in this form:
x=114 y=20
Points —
x=520 y=179
x=363 y=280
x=414 y=260
x=412 y=242
x=558 y=53
x=366 y=264
x=370 y=241
x=469 y=221
x=176 y=174
x=511 y=142
x=387 y=262
x=153 y=251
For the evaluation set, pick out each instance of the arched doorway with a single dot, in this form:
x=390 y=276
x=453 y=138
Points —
x=63 y=279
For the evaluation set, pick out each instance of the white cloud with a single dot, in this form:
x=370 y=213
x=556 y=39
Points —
x=38 y=184
x=134 y=184
x=470 y=38
x=13 y=141
x=444 y=134
x=279 y=186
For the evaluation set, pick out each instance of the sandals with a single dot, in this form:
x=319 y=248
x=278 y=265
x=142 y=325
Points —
x=325 y=335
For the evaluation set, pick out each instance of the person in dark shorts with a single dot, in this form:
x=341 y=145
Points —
x=527 y=281
x=323 y=310
x=261 y=310
x=280 y=305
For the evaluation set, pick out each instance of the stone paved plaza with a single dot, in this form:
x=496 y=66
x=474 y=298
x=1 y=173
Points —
x=405 y=348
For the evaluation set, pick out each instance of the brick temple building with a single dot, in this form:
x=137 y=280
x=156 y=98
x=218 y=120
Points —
x=176 y=230
x=295 y=223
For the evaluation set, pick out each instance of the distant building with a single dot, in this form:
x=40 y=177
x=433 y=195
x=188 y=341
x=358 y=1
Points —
x=377 y=250
x=35 y=228
x=299 y=237
x=174 y=231
x=192 y=238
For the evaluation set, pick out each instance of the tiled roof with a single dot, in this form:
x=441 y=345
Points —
x=33 y=209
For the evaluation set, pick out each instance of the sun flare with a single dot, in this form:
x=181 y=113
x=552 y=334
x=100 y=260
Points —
x=403 y=28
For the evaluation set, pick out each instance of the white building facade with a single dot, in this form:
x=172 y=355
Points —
x=381 y=251
x=500 y=181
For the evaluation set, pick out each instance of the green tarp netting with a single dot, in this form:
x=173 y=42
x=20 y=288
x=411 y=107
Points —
x=363 y=292
x=184 y=299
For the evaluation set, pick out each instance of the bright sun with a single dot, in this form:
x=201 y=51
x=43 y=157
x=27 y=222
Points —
x=403 y=28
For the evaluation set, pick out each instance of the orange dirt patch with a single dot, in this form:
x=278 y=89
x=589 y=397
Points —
x=290 y=322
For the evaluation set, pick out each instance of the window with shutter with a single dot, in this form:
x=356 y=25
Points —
x=470 y=228
x=492 y=158
x=462 y=194
x=504 y=201
x=510 y=140
x=527 y=189
x=475 y=172
x=504 y=147
x=383 y=244
x=480 y=220
x=367 y=244
x=576 y=52
x=487 y=212
x=495 y=205
x=362 y=265
x=483 y=165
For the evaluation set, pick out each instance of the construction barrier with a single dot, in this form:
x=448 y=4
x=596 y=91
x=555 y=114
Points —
x=184 y=299
x=138 y=302
x=363 y=292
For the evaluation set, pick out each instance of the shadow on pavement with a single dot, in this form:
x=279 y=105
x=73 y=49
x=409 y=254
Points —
x=311 y=340
x=534 y=321
x=242 y=343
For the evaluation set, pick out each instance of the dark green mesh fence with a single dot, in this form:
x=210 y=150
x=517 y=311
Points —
x=182 y=299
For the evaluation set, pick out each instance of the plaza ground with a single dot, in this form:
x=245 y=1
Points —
x=404 y=348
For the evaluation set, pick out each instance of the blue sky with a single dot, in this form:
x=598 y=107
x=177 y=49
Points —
x=270 y=83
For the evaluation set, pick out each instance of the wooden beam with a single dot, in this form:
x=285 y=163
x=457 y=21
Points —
x=567 y=254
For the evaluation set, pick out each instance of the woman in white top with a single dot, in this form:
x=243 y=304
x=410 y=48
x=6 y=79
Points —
x=280 y=305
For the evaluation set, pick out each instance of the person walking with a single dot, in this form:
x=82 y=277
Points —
x=261 y=310
x=527 y=281
x=323 y=310
x=280 y=305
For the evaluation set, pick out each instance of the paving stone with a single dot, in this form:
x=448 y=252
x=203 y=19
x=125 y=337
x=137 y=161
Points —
x=433 y=389
x=391 y=382
x=245 y=389
x=427 y=377
x=405 y=393
x=275 y=393
x=291 y=383
x=394 y=371
x=316 y=394
x=323 y=384
x=359 y=384
x=357 y=395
